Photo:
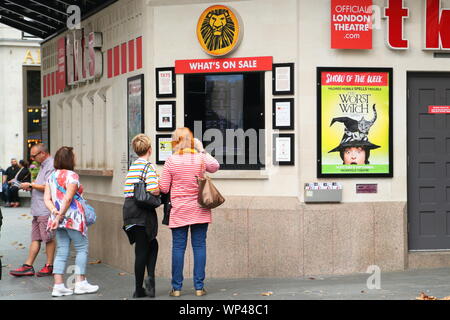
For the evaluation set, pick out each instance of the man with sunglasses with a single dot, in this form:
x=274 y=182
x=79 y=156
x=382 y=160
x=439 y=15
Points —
x=40 y=213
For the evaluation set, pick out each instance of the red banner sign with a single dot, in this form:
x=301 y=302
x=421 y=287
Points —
x=224 y=65
x=375 y=79
x=438 y=109
x=61 y=73
x=351 y=24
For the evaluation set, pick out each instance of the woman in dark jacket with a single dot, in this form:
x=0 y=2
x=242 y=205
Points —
x=141 y=225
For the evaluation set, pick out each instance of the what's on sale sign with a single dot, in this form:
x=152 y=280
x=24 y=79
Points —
x=351 y=24
x=355 y=122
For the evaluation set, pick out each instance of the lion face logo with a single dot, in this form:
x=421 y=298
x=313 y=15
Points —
x=217 y=23
x=218 y=30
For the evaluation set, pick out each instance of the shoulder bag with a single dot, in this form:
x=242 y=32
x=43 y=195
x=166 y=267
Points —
x=165 y=199
x=143 y=198
x=208 y=195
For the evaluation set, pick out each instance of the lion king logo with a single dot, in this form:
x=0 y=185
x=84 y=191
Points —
x=218 y=30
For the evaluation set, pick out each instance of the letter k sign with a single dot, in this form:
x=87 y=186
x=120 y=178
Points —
x=437 y=26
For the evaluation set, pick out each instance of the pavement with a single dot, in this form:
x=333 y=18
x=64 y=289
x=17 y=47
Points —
x=116 y=284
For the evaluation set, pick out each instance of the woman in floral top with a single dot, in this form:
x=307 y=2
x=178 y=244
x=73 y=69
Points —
x=68 y=219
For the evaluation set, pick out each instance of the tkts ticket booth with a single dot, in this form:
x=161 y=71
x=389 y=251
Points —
x=319 y=112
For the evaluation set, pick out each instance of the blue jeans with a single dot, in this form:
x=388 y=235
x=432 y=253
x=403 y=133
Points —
x=179 y=242
x=81 y=245
x=5 y=192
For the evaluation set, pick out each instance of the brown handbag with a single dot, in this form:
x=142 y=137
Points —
x=208 y=195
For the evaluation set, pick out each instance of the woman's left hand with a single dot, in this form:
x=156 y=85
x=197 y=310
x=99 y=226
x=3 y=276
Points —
x=55 y=223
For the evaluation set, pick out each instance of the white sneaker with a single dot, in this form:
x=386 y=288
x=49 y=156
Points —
x=60 y=292
x=84 y=287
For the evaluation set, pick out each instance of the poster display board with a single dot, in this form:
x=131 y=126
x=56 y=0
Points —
x=135 y=112
x=165 y=115
x=45 y=123
x=163 y=147
x=283 y=149
x=165 y=83
x=354 y=108
x=283 y=114
x=283 y=79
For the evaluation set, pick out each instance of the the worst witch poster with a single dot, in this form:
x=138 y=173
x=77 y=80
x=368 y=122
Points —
x=355 y=122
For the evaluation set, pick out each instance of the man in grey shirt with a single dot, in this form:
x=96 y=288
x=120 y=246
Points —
x=40 y=215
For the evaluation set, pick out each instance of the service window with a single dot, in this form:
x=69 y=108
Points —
x=228 y=111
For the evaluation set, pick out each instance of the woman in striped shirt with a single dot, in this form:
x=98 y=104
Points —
x=141 y=225
x=180 y=179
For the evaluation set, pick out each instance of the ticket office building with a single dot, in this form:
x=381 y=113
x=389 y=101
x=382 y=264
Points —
x=265 y=228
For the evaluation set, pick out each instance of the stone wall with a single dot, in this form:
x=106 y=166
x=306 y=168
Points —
x=253 y=237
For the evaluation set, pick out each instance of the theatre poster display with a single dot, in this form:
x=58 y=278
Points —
x=354 y=122
x=45 y=123
x=135 y=111
x=163 y=147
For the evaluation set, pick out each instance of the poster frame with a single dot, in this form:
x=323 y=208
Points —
x=142 y=129
x=46 y=106
x=320 y=174
x=291 y=112
x=291 y=91
x=174 y=87
x=157 y=138
x=291 y=136
x=173 y=104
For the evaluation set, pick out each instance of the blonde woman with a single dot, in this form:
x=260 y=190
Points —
x=179 y=177
x=141 y=225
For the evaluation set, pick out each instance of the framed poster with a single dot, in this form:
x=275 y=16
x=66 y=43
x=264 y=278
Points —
x=283 y=114
x=354 y=110
x=163 y=147
x=45 y=123
x=165 y=115
x=283 y=79
x=135 y=112
x=283 y=149
x=165 y=83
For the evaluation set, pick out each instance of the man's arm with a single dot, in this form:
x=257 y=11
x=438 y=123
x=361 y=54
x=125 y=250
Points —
x=28 y=186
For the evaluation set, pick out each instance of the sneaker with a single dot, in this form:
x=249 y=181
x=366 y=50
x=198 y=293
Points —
x=24 y=270
x=47 y=270
x=200 y=293
x=175 y=293
x=84 y=287
x=60 y=292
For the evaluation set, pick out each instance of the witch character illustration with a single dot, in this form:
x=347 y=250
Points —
x=355 y=145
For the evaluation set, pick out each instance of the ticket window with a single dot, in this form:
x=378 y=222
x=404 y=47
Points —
x=232 y=104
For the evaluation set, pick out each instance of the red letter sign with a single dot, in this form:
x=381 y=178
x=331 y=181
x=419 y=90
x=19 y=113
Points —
x=395 y=13
x=351 y=24
x=438 y=26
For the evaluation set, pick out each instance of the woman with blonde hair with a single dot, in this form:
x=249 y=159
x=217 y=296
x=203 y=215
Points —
x=141 y=225
x=188 y=161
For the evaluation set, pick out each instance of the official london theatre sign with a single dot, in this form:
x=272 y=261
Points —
x=352 y=24
x=219 y=30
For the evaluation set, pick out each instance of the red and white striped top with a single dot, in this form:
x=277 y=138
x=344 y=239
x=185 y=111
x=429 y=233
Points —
x=179 y=176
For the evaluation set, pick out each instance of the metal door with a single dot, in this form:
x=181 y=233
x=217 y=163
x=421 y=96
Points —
x=428 y=162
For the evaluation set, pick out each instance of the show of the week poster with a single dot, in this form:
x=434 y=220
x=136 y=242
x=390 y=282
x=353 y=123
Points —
x=355 y=122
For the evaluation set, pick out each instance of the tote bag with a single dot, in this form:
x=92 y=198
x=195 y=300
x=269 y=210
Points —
x=208 y=195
